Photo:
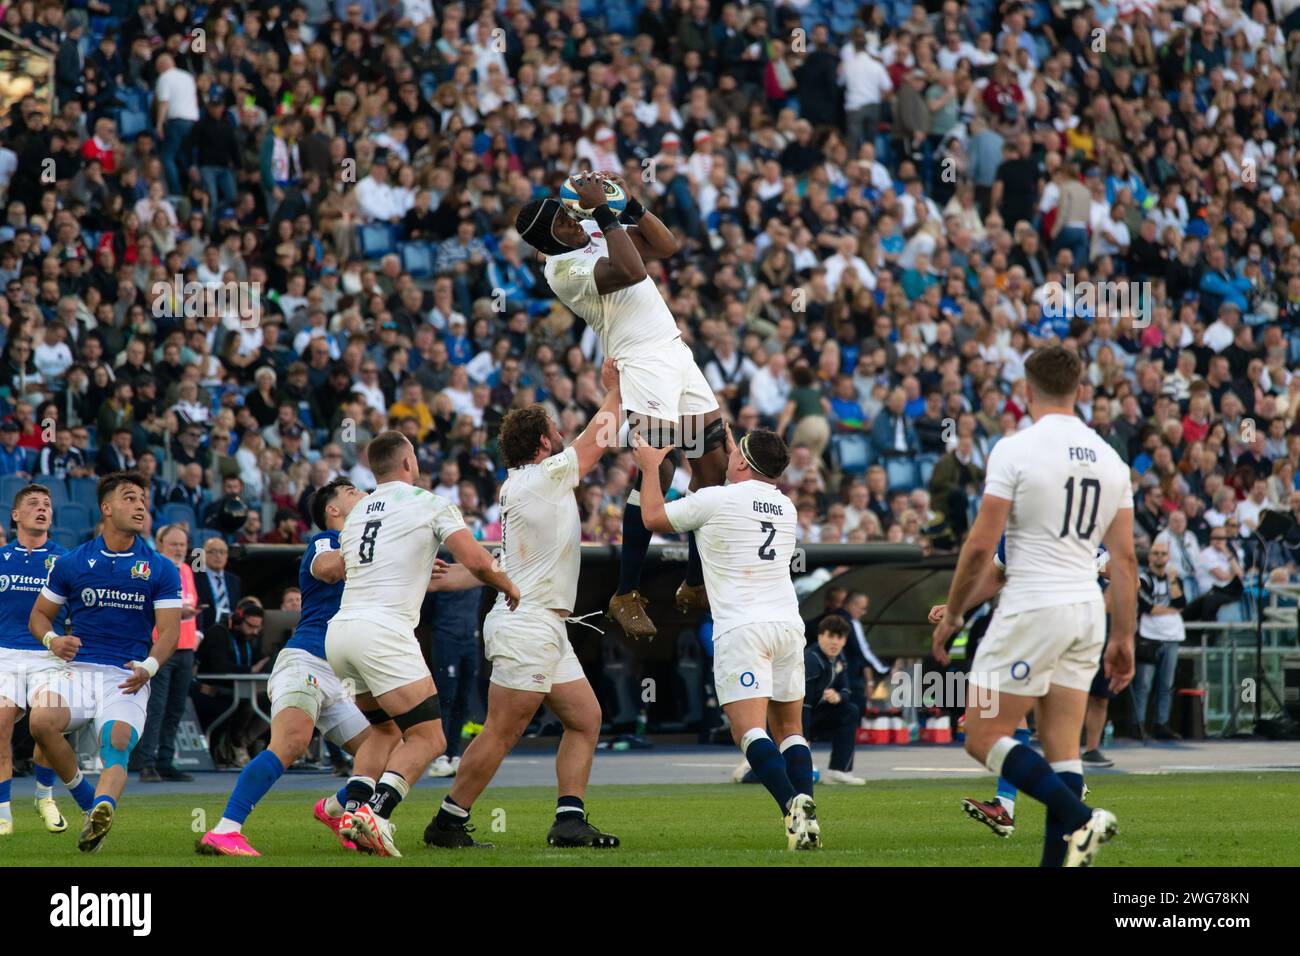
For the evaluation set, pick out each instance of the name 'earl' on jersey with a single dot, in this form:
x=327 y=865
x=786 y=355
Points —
x=746 y=536
x=629 y=321
x=1065 y=485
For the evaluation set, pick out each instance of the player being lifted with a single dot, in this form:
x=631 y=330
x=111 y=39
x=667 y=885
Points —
x=305 y=693
x=597 y=269
x=24 y=565
x=532 y=660
x=746 y=534
x=116 y=590
x=1055 y=488
x=389 y=544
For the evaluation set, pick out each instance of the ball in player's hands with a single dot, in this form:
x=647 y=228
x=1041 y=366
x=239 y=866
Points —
x=582 y=194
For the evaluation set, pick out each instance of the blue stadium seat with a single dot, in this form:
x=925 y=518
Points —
x=180 y=513
x=375 y=240
x=201 y=535
x=900 y=473
x=10 y=485
x=74 y=516
x=58 y=489
x=131 y=123
x=853 y=453
x=417 y=259
x=83 y=491
x=67 y=537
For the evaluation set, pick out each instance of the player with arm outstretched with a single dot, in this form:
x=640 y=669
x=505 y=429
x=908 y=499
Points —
x=24 y=565
x=597 y=268
x=116 y=590
x=389 y=545
x=306 y=694
x=746 y=532
x=1056 y=489
x=532 y=661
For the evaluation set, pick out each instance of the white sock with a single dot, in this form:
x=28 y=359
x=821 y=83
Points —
x=43 y=793
x=75 y=782
x=226 y=825
x=6 y=812
x=454 y=810
x=332 y=806
x=1009 y=805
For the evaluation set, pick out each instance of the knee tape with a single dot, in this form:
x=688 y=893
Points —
x=421 y=713
x=715 y=435
x=376 y=716
x=113 y=756
x=305 y=700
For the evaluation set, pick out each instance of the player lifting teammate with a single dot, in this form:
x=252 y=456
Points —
x=1055 y=488
x=306 y=694
x=597 y=269
x=532 y=660
x=746 y=532
x=389 y=544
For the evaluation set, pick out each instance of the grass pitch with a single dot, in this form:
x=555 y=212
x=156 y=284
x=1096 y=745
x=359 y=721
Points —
x=1238 y=819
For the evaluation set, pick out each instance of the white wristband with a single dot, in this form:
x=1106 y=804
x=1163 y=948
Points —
x=148 y=664
x=48 y=638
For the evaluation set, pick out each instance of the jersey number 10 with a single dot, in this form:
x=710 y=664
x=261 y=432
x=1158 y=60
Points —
x=1087 y=505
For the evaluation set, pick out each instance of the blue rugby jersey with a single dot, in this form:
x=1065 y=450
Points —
x=320 y=601
x=111 y=596
x=22 y=575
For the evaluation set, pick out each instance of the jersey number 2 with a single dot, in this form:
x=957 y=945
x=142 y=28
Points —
x=366 y=552
x=1087 y=505
x=765 y=550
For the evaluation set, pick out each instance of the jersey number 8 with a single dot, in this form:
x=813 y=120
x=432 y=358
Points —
x=366 y=552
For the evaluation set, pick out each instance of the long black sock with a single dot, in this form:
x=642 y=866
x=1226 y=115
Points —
x=450 y=813
x=694 y=569
x=357 y=792
x=567 y=807
x=1055 y=832
x=636 y=542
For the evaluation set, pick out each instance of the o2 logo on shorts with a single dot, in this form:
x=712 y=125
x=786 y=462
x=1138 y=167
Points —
x=748 y=679
x=1020 y=670
x=88 y=597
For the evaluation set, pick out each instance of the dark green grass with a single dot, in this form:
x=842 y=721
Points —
x=1239 y=819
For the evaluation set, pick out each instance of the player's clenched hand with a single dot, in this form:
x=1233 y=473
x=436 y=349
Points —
x=609 y=375
x=731 y=439
x=1119 y=664
x=65 y=647
x=936 y=613
x=615 y=178
x=590 y=190
x=440 y=569
x=945 y=629
x=512 y=595
x=647 y=456
x=139 y=677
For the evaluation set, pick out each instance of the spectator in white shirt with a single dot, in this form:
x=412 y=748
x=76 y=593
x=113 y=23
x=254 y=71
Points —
x=1251 y=509
x=769 y=389
x=846 y=257
x=177 y=99
x=52 y=355
x=866 y=83
x=376 y=199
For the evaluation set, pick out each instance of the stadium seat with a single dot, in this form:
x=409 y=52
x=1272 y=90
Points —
x=901 y=473
x=10 y=485
x=691 y=671
x=201 y=535
x=417 y=259
x=74 y=516
x=84 y=491
x=925 y=468
x=131 y=123
x=180 y=513
x=375 y=240
x=853 y=453
x=58 y=490
x=68 y=538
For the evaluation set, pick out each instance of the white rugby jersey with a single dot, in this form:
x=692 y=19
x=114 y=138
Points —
x=389 y=543
x=541 y=533
x=630 y=321
x=1065 y=485
x=745 y=533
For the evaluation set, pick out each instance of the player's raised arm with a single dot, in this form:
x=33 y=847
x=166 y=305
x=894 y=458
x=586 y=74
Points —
x=476 y=560
x=1119 y=664
x=651 y=237
x=653 y=514
x=601 y=433
x=623 y=267
x=328 y=566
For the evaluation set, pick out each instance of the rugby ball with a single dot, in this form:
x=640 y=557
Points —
x=615 y=198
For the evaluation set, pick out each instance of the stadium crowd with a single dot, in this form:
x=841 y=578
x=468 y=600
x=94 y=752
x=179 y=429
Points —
x=875 y=203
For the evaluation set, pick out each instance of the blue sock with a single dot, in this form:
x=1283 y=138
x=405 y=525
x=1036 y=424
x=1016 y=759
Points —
x=694 y=568
x=636 y=542
x=1054 y=831
x=1031 y=773
x=768 y=765
x=798 y=763
x=6 y=790
x=104 y=798
x=81 y=791
x=255 y=780
x=44 y=775
x=1006 y=789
